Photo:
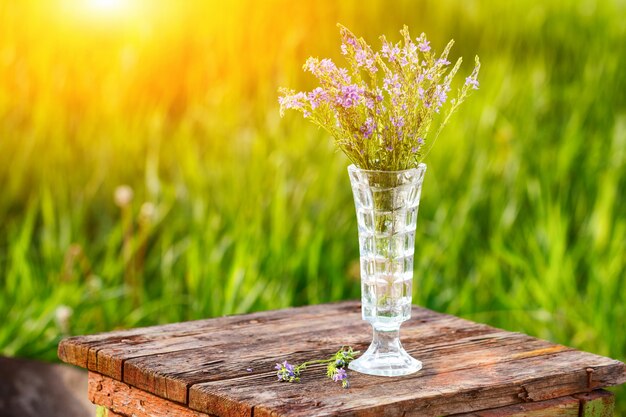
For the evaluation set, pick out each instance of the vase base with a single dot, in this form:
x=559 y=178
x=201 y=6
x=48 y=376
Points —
x=396 y=363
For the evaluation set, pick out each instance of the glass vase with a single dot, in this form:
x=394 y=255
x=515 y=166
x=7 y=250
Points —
x=386 y=205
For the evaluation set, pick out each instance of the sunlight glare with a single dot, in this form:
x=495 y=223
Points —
x=107 y=5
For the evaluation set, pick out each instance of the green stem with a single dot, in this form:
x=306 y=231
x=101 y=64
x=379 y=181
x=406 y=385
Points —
x=305 y=364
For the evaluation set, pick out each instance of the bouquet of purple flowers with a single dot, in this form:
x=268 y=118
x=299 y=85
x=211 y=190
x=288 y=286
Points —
x=383 y=112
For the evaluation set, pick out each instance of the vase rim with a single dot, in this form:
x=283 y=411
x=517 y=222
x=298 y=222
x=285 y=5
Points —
x=420 y=167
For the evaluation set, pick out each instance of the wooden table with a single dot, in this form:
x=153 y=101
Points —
x=224 y=367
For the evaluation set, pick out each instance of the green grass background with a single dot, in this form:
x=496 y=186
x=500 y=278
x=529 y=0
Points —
x=523 y=215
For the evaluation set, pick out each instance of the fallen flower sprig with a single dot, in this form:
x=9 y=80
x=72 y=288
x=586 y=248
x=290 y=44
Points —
x=335 y=369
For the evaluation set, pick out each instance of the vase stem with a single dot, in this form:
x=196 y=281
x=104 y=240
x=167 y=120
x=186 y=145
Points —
x=386 y=356
x=387 y=340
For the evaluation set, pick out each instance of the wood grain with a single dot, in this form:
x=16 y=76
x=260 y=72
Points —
x=123 y=400
x=224 y=366
x=106 y=352
x=560 y=407
x=170 y=375
x=494 y=382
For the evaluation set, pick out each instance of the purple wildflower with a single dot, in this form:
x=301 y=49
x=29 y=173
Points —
x=367 y=129
x=441 y=95
x=410 y=55
x=420 y=140
x=310 y=64
x=410 y=49
x=414 y=149
x=348 y=39
x=323 y=68
x=349 y=96
x=326 y=65
x=378 y=97
x=389 y=148
x=296 y=101
x=472 y=81
x=442 y=62
x=424 y=44
x=392 y=84
x=360 y=56
x=317 y=97
x=390 y=51
x=286 y=372
x=363 y=59
x=340 y=375
x=398 y=122
x=342 y=76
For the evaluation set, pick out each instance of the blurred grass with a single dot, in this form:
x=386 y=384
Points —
x=523 y=212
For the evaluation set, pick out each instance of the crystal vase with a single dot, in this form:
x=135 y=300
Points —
x=386 y=205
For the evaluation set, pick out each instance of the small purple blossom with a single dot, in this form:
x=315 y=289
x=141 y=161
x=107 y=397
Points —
x=349 y=96
x=442 y=62
x=340 y=375
x=397 y=121
x=441 y=95
x=326 y=65
x=390 y=51
x=420 y=93
x=472 y=81
x=420 y=140
x=360 y=57
x=414 y=149
x=348 y=39
x=363 y=59
x=410 y=55
x=368 y=127
x=317 y=97
x=392 y=84
x=343 y=76
x=286 y=372
x=296 y=101
x=378 y=95
x=424 y=44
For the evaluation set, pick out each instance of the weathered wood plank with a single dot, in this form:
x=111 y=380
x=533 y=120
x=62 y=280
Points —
x=108 y=356
x=598 y=403
x=495 y=382
x=169 y=375
x=559 y=407
x=106 y=352
x=122 y=399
